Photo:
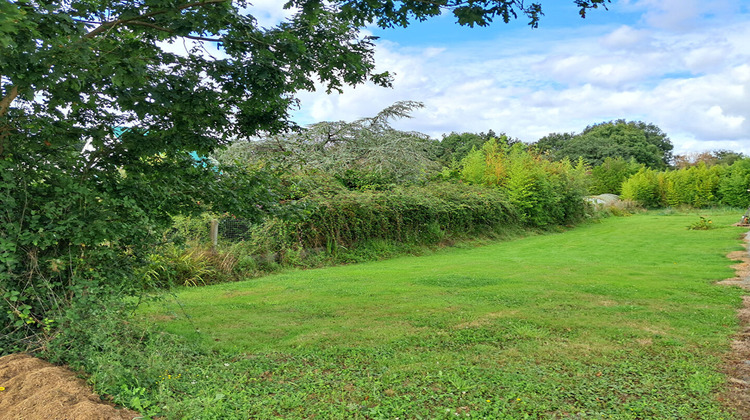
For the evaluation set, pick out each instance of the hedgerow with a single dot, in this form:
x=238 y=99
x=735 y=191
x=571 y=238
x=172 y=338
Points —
x=695 y=186
x=734 y=184
x=409 y=214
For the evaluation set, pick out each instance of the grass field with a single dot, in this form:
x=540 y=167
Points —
x=618 y=319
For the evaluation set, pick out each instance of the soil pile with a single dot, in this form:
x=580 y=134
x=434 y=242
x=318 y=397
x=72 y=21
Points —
x=35 y=389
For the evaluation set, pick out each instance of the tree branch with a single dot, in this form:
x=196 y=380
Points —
x=108 y=25
x=7 y=99
x=170 y=31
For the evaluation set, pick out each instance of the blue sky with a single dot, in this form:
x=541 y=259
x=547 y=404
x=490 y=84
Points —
x=683 y=65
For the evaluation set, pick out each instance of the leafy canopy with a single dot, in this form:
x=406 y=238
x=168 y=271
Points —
x=643 y=142
x=360 y=153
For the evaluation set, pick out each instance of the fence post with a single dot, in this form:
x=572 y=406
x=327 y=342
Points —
x=214 y=234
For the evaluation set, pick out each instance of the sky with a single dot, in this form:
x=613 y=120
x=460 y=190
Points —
x=683 y=65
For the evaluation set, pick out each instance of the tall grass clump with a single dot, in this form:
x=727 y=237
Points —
x=194 y=265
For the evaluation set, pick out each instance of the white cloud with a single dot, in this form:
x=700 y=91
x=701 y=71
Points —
x=681 y=15
x=707 y=58
x=694 y=85
x=626 y=37
x=269 y=13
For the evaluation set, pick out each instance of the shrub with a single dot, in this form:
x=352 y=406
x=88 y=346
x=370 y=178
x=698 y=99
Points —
x=643 y=188
x=543 y=193
x=734 y=183
x=695 y=186
x=405 y=214
x=608 y=177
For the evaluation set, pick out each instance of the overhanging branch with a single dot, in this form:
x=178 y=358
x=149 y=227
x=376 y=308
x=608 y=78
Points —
x=109 y=25
x=7 y=99
x=170 y=31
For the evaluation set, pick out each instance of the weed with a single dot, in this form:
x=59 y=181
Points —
x=702 y=224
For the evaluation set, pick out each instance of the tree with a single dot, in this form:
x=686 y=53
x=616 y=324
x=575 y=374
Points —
x=645 y=143
x=365 y=152
x=552 y=143
x=455 y=146
x=543 y=192
x=82 y=204
x=710 y=158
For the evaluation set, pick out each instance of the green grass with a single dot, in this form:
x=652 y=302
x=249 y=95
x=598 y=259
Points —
x=618 y=319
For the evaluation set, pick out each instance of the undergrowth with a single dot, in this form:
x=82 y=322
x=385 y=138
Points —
x=198 y=264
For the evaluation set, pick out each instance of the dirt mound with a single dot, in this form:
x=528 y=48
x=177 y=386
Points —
x=35 y=389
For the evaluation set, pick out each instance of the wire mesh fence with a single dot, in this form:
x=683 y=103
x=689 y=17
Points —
x=234 y=229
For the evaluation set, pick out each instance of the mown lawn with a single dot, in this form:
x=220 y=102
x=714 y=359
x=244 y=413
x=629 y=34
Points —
x=618 y=319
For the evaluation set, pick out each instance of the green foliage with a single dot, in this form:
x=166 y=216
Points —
x=633 y=140
x=70 y=236
x=734 y=185
x=643 y=188
x=190 y=229
x=608 y=177
x=194 y=266
x=473 y=168
x=696 y=186
x=552 y=143
x=350 y=226
x=454 y=146
x=702 y=224
x=527 y=186
x=386 y=14
x=366 y=153
x=705 y=184
x=404 y=214
x=544 y=193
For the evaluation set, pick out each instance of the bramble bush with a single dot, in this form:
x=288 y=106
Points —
x=358 y=225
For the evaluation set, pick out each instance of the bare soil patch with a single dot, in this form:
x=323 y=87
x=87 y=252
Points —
x=737 y=366
x=35 y=389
